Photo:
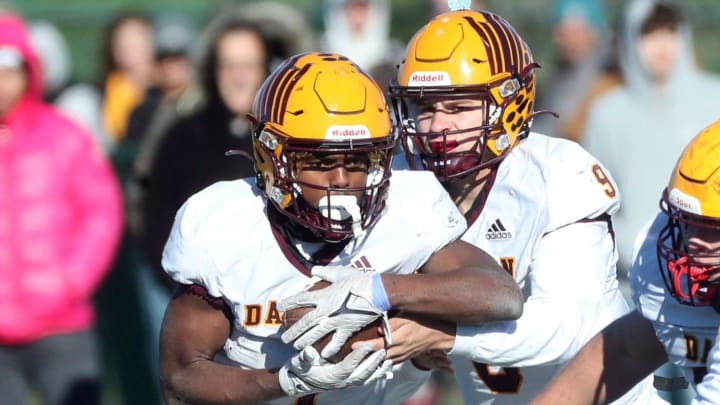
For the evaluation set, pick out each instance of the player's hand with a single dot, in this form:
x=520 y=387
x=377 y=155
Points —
x=308 y=373
x=344 y=307
x=413 y=336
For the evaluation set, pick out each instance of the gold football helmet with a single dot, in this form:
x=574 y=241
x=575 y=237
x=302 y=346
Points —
x=321 y=103
x=466 y=54
x=692 y=204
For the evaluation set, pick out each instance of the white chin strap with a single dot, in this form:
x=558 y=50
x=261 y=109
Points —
x=342 y=208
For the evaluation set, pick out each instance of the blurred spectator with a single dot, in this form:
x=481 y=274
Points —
x=360 y=30
x=173 y=37
x=172 y=69
x=286 y=29
x=171 y=72
x=637 y=129
x=173 y=41
x=60 y=220
x=163 y=103
x=581 y=51
x=81 y=101
x=129 y=74
x=608 y=78
x=126 y=70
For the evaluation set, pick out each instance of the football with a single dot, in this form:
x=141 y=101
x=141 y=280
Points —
x=371 y=331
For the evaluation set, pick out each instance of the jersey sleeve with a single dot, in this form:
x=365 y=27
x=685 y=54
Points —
x=186 y=258
x=648 y=290
x=573 y=295
x=708 y=391
x=579 y=187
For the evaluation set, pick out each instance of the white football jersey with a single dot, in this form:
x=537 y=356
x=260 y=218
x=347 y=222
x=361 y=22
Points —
x=547 y=221
x=708 y=391
x=223 y=241
x=688 y=333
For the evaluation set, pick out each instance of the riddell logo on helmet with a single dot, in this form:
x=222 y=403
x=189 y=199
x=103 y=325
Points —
x=347 y=131
x=685 y=202
x=429 y=79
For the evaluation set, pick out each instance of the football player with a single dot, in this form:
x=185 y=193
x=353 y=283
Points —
x=322 y=195
x=541 y=206
x=674 y=278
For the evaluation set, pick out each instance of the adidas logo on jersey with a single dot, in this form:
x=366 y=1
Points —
x=363 y=265
x=497 y=231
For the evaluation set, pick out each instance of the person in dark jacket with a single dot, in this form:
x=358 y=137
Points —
x=191 y=155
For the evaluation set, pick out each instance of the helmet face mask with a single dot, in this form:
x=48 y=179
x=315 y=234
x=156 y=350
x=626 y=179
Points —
x=691 y=273
x=688 y=246
x=333 y=213
x=450 y=153
x=451 y=59
x=299 y=122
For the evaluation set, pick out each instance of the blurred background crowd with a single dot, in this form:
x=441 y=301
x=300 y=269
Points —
x=149 y=95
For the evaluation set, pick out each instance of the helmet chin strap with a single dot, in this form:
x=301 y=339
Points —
x=342 y=208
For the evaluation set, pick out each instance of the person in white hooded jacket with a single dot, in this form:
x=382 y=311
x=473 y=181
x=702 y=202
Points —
x=360 y=29
x=637 y=128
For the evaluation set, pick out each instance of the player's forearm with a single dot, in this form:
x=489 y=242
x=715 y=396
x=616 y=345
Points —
x=581 y=382
x=631 y=351
x=465 y=295
x=609 y=365
x=208 y=382
x=548 y=332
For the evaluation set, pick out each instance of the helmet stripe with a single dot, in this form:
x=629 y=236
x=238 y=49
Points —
x=268 y=91
x=280 y=92
x=502 y=51
x=516 y=43
x=507 y=39
x=286 y=90
x=481 y=31
x=276 y=92
x=508 y=61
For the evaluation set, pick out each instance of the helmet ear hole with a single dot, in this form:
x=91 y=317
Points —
x=260 y=181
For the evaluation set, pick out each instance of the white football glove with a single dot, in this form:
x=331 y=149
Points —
x=308 y=373
x=343 y=307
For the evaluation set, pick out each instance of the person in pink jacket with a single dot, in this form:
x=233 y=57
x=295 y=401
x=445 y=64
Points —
x=60 y=223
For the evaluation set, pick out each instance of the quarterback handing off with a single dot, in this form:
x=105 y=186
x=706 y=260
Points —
x=464 y=100
x=321 y=203
x=674 y=277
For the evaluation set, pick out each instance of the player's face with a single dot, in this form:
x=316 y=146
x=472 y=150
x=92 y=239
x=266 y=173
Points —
x=342 y=173
x=453 y=114
x=704 y=245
